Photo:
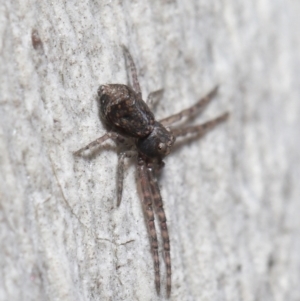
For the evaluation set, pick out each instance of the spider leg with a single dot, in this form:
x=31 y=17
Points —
x=201 y=129
x=154 y=97
x=134 y=78
x=100 y=140
x=120 y=177
x=149 y=214
x=196 y=108
x=159 y=209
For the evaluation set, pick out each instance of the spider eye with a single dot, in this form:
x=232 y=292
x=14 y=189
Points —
x=161 y=146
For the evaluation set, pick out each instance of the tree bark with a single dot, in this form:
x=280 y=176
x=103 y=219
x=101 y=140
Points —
x=232 y=199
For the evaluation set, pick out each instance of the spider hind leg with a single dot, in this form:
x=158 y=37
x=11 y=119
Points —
x=154 y=97
x=134 y=78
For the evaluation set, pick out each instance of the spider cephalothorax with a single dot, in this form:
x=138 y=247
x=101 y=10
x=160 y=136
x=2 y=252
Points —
x=158 y=143
x=129 y=119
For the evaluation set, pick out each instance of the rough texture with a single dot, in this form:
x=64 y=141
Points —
x=232 y=199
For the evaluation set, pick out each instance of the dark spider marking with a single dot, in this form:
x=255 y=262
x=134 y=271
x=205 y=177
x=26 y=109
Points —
x=131 y=121
x=36 y=40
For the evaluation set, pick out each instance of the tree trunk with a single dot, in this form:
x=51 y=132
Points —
x=232 y=199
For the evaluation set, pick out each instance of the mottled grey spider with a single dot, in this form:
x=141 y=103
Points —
x=131 y=122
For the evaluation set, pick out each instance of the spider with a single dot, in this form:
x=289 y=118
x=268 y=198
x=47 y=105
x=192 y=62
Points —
x=131 y=122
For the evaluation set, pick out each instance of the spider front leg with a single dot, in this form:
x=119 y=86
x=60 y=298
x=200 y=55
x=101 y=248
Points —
x=100 y=140
x=149 y=214
x=196 y=108
x=159 y=209
x=120 y=177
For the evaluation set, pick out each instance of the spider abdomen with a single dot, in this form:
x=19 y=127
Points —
x=125 y=111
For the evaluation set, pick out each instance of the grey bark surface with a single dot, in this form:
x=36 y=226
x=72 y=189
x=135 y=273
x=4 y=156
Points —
x=232 y=199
